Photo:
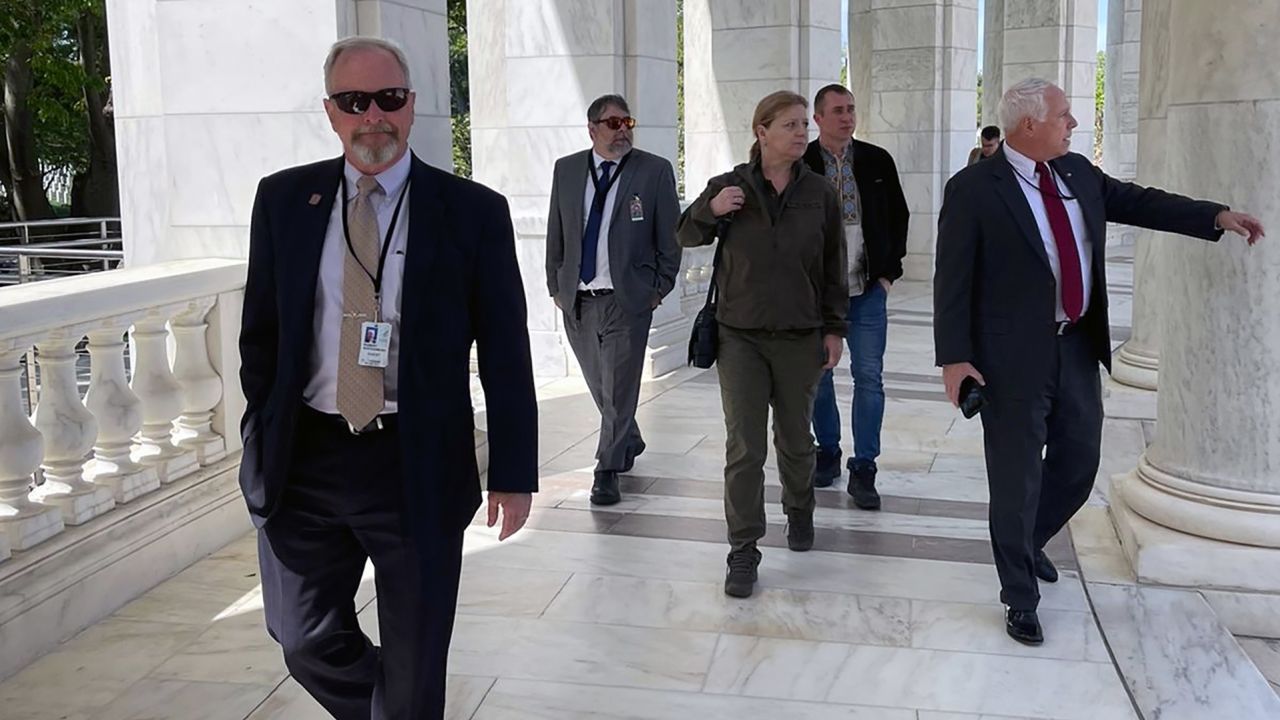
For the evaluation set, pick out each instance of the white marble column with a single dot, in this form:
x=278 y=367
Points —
x=1120 y=115
x=1203 y=507
x=119 y=414
x=23 y=521
x=211 y=95
x=1136 y=363
x=162 y=400
x=69 y=432
x=535 y=66
x=913 y=70
x=1056 y=40
x=735 y=53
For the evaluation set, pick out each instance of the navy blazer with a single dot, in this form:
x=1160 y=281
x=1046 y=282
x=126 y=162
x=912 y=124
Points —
x=462 y=285
x=994 y=291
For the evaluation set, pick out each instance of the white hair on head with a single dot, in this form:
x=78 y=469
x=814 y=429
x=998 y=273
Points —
x=360 y=42
x=1024 y=100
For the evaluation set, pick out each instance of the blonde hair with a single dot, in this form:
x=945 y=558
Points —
x=769 y=109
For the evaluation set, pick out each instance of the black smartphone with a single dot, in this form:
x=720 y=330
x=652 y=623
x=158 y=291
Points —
x=972 y=397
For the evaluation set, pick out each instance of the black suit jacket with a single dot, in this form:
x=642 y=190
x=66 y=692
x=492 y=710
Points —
x=884 y=208
x=461 y=285
x=994 y=294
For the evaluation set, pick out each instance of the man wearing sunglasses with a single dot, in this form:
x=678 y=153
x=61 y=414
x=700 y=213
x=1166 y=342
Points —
x=611 y=258
x=370 y=277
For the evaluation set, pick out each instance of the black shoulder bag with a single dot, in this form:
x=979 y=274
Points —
x=705 y=339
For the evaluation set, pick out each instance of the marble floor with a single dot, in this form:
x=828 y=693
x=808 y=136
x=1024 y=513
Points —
x=619 y=613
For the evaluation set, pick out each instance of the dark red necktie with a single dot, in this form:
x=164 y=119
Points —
x=1068 y=255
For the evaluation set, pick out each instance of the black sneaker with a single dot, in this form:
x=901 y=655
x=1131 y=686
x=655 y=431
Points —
x=800 y=531
x=862 y=485
x=827 y=468
x=740 y=580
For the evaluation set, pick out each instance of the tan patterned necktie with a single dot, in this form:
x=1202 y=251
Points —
x=360 y=392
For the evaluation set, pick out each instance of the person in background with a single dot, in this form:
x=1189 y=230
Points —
x=990 y=139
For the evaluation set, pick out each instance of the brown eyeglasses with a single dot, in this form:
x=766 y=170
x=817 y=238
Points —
x=357 y=102
x=613 y=123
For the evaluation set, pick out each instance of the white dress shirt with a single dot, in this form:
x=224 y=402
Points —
x=321 y=392
x=1026 y=167
x=603 y=279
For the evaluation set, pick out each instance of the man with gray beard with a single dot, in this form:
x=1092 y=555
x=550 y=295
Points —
x=370 y=278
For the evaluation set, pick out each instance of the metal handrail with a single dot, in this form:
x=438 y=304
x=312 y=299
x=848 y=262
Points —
x=58 y=221
x=68 y=253
x=21 y=233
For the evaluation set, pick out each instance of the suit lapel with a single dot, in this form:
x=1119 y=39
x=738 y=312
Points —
x=624 y=191
x=429 y=226
x=1007 y=188
x=312 y=209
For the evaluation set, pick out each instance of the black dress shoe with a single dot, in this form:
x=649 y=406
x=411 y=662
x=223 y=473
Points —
x=862 y=485
x=800 y=531
x=1023 y=626
x=1045 y=569
x=605 y=491
x=635 y=452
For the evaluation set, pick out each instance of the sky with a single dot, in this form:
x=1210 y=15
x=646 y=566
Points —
x=1102 y=25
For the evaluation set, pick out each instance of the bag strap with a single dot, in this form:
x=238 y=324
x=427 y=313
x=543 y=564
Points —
x=722 y=232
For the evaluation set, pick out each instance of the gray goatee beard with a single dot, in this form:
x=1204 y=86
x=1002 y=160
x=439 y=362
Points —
x=380 y=154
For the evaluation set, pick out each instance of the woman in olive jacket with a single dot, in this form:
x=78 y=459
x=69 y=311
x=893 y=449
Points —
x=783 y=293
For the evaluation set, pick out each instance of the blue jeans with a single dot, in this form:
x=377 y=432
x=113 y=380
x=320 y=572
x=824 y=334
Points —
x=868 y=328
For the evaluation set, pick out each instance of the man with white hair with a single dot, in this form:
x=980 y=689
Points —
x=370 y=277
x=1020 y=306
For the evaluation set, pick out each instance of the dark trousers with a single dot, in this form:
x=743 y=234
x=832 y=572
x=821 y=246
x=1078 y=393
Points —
x=1042 y=450
x=610 y=346
x=343 y=504
x=760 y=369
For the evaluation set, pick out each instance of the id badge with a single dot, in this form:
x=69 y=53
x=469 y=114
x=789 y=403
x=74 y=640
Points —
x=375 y=344
x=637 y=209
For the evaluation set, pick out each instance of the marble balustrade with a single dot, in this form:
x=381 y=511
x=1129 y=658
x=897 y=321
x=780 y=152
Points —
x=73 y=459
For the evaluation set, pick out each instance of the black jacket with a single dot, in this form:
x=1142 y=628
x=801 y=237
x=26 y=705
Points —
x=994 y=293
x=461 y=286
x=884 y=208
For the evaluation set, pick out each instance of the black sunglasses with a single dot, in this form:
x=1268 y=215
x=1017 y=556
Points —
x=357 y=102
x=616 y=122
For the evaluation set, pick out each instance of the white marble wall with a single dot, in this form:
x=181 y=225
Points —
x=913 y=69
x=211 y=95
x=1120 y=116
x=1214 y=469
x=1056 y=40
x=535 y=66
x=1137 y=362
x=735 y=53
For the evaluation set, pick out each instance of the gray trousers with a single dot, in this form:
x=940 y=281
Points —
x=610 y=346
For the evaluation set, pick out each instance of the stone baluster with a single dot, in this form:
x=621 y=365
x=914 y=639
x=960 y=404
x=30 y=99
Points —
x=161 y=398
x=119 y=414
x=69 y=431
x=23 y=521
x=201 y=386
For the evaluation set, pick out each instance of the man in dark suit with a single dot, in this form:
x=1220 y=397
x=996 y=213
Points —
x=611 y=258
x=875 y=217
x=1020 y=305
x=370 y=277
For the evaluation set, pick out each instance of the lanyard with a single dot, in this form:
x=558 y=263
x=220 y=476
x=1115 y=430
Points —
x=595 y=180
x=386 y=244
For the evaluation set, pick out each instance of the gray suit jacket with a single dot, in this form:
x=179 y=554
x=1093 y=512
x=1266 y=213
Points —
x=643 y=255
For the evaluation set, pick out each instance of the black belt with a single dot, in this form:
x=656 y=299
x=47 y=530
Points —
x=595 y=293
x=336 y=422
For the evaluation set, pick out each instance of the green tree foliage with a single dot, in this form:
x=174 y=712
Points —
x=1099 y=102
x=55 y=112
x=459 y=88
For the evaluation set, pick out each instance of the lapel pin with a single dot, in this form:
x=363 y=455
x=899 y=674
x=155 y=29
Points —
x=315 y=199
